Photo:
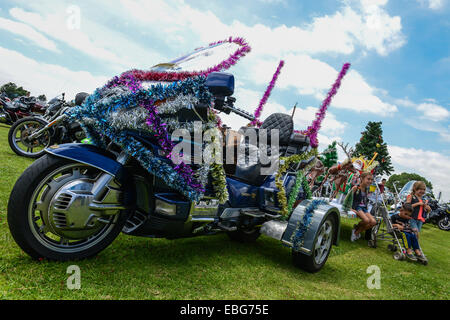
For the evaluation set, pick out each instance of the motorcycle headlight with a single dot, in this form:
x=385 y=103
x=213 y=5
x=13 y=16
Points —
x=163 y=207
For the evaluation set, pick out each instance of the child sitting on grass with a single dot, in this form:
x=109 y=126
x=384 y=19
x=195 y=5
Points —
x=401 y=222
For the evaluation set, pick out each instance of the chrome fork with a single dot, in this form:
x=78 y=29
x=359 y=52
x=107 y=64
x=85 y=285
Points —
x=106 y=195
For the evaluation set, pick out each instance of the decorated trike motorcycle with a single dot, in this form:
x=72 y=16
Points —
x=73 y=202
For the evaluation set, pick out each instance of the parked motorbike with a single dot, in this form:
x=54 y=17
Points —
x=439 y=215
x=73 y=201
x=12 y=111
x=29 y=136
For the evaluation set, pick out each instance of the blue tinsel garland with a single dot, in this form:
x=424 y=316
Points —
x=93 y=116
x=303 y=225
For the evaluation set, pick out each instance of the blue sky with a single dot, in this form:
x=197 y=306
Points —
x=399 y=51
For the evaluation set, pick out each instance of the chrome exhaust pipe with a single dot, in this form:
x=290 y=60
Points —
x=274 y=229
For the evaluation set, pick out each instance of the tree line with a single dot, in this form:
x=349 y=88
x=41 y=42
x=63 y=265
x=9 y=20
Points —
x=12 y=91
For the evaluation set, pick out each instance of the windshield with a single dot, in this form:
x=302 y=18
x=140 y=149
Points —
x=407 y=188
x=199 y=59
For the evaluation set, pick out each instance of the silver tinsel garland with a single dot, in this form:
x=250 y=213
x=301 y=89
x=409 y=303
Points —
x=180 y=102
x=134 y=118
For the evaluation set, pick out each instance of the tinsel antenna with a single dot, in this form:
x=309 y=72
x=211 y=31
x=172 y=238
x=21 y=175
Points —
x=293 y=111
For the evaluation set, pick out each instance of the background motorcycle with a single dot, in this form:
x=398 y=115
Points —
x=439 y=215
x=12 y=111
x=29 y=136
x=73 y=202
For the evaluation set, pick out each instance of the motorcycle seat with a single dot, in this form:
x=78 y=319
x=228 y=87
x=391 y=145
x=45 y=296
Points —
x=24 y=107
x=277 y=121
x=11 y=107
x=283 y=123
x=290 y=142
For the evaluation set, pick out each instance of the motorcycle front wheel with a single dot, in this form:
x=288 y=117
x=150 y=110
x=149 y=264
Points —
x=444 y=224
x=48 y=220
x=18 y=137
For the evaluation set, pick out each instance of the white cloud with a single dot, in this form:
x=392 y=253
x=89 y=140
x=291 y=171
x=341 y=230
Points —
x=429 y=110
x=430 y=116
x=92 y=39
x=434 y=166
x=405 y=103
x=446 y=135
x=433 y=4
x=381 y=31
x=436 y=4
x=45 y=78
x=29 y=33
x=55 y=25
x=356 y=94
x=311 y=76
x=420 y=124
x=368 y=26
x=433 y=112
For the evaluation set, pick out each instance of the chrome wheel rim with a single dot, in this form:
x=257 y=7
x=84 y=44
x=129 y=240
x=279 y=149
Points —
x=322 y=245
x=23 y=131
x=39 y=209
x=444 y=224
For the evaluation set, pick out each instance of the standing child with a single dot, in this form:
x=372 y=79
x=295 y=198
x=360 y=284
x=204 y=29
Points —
x=418 y=206
x=360 y=206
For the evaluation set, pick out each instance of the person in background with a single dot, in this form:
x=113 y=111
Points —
x=419 y=206
x=381 y=185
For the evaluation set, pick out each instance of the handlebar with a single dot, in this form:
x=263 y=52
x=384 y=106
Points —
x=227 y=106
x=241 y=113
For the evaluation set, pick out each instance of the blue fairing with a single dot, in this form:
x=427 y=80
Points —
x=242 y=195
x=88 y=154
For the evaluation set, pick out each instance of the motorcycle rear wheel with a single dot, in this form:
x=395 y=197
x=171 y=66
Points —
x=323 y=242
x=37 y=230
x=24 y=127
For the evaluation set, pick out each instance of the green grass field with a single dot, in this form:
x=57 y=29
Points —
x=215 y=267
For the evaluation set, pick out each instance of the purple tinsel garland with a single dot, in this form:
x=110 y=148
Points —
x=266 y=95
x=134 y=77
x=312 y=130
x=161 y=133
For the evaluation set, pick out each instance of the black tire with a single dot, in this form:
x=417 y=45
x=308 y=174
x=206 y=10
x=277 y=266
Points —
x=19 y=221
x=308 y=262
x=11 y=138
x=244 y=236
x=444 y=224
x=399 y=256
